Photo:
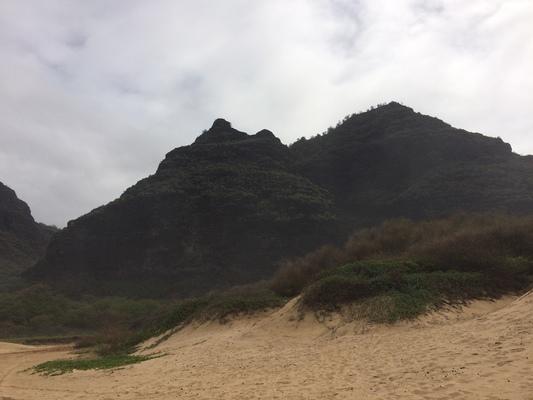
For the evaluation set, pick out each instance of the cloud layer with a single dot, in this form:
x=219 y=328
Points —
x=94 y=93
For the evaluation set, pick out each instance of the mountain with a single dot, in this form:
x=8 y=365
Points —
x=227 y=208
x=218 y=212
x=391 y=162
x=22 y=240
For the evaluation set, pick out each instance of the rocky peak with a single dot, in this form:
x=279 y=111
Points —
x=15 y=214
x=220 y=124
x=9 y=199
x=220 y=132
x=265 y=133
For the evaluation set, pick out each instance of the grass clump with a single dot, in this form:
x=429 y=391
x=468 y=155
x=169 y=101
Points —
x=59 y=367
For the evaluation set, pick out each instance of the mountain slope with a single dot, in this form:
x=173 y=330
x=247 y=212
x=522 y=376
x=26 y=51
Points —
x=22 y=240
x=227 y=208
x=218 y=212
x=392 y=161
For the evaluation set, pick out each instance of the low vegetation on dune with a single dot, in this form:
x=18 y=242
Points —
x=112 y=328
x=115 y=325
x=41 y=312
x=214 y=306
x=390 y=290
x=403 y=268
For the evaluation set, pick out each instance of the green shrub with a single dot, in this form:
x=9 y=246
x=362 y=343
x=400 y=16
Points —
x=388 y=290
x=498 y=247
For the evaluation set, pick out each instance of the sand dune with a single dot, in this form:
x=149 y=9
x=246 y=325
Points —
x=482 y=352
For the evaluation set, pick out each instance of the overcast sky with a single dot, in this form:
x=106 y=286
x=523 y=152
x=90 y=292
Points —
x=93 y=94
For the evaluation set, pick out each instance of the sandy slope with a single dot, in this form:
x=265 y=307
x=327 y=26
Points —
x=483 y=353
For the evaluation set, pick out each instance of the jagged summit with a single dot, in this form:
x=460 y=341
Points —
x=266 y=134
x=221 y=131
x=221 y=124
x=219 y=212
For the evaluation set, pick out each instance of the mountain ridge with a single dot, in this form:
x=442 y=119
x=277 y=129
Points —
x=227 y=208
x=189 y=214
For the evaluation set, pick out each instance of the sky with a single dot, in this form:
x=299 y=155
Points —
x=93 y=94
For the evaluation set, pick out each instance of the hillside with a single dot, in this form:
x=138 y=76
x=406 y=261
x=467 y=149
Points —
x=227 y=208
x=22 y=240
x=218 y=212
x=391 y=161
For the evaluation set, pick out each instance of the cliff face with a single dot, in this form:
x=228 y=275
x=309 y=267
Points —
x=218 y=212
x=22 y=240
x=227 y=208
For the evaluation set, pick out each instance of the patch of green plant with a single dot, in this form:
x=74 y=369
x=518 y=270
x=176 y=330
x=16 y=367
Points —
x=390 y=290
x=499 y=246
x=402 y=268
x=59 y=367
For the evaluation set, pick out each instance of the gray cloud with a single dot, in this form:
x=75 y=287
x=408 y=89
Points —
x=95 y=93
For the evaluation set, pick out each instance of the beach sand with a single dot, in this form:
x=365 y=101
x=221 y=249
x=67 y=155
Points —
x=484 y=351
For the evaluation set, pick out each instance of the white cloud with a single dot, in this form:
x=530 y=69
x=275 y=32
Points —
x=95 y=93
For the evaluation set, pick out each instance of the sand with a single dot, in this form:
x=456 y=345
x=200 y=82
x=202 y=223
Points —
x=482 y=352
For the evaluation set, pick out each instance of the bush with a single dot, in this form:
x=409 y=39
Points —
x=295 y=274
x=331 y=291
x=462 y=242
x=393 y=289
x=404 y=267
